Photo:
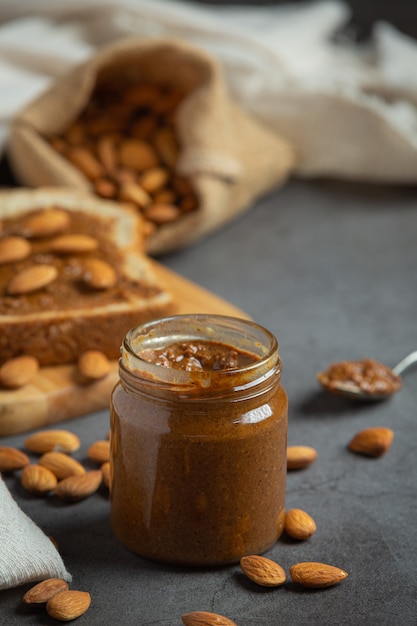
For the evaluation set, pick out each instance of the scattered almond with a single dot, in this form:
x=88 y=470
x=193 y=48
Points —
x=299 y=457
x=46 y=223
x=98 y=274
x=372 y=441
x=316 y=575
x=202 y=618
x=38 y=480
x=61 y=464
x=52 y=440
x=93 y=365
x=105 y=470
x=76 y=488
x=68 y=605
x=31 y=279
x=18 y=372
x=73 y=244
x=44 y=591
x=299 y=524
x=54 y=541
x=12 y=459
x=263 y=571
x=14 y=249
x=99 y=451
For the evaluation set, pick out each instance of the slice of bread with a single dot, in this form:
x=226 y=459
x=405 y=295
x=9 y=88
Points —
x=82 y=282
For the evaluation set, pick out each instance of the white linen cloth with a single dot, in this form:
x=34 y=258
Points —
x=26 y=553
x=350 y=110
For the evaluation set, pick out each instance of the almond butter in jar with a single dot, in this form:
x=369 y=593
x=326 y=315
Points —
x=198 y=441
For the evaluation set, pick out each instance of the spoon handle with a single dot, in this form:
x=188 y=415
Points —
x=407 y=361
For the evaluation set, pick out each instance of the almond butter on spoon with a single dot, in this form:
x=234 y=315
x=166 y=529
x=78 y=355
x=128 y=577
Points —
x=366 y=379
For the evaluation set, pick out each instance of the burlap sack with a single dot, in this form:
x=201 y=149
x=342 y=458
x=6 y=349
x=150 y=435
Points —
x=230 y=158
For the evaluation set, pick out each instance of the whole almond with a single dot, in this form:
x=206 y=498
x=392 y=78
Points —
x=14 y=249
x=18 y=372
x=93 y=365
x=316 y=575
x=73 y=244
x=44 y=591
x=138 y=155
x=68 y=605
x=46 y=223
x=99 y=451
x=299 y=524
x=75 y=488
x=106 y=151
x=372 y=441
x=61 y=464
x=299 y=457
x=263 y=571
x=105 y=188
x=162 y=213
x=167 y=147
x=31 y=279
x=84 y=160
x=105 y=470
x=154 y=179
x=203 y=618
x=165 y=196
x=98 y=274
x=38 y=480
x=52 y=440
x=12 y=459
x=132 y=192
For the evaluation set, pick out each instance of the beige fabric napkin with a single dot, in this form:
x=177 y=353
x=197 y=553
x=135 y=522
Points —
x=26 y=553
x=350 y=110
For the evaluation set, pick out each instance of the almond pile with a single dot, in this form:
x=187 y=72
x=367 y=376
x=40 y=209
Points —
x=55 y=470
x=126 y=144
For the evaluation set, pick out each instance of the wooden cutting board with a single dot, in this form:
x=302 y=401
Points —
x=55 y=395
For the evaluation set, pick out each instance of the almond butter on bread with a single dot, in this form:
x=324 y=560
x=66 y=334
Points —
x=57 y=320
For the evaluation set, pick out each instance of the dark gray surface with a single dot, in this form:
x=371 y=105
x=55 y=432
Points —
x=331 y=269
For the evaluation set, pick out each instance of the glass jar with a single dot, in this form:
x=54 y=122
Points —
x=198 y=457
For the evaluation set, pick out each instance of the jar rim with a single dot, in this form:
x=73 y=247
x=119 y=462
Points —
x=237 y=332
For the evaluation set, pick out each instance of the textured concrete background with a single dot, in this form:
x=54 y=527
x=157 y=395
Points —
x=331 y=269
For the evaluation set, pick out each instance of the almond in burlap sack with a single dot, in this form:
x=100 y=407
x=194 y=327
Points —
x=227 y=156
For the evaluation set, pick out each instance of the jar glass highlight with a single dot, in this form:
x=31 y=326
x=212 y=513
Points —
x=198 y=458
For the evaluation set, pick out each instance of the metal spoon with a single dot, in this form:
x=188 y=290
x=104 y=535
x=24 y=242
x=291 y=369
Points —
x=354 y=391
